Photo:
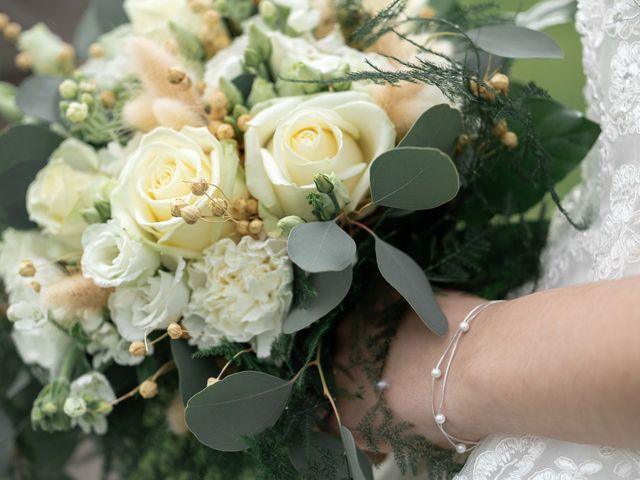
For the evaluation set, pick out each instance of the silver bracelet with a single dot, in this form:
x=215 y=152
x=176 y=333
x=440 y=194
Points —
x=437 y=375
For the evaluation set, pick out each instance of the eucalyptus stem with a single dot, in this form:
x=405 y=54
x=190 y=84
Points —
x=325 y=387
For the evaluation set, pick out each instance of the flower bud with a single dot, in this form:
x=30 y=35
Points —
x=500 y=82
x=68 y=89
x=199 y=186
x=137 y=349
x=287 y=224
x=12 y=31
x=24 y=61
x=88 y=87
x=96 y=50
x=35 y=286
x=4 y=21
x=75 y=407
x=212 y=381
x=256 y=226
x=176 y=207
x=27 y=268
x=225 y=132
x=243 y=122
x=510 y=140
x=268 y=11
x=481 y=91
x=500 y=128
x=175 y=331
x=148 y=389
x=323 y=183
x=218 y=206
x=67 y=54
x=252 y=207
x=213 y=126
x=77 y=112
x=211 y=18
x=176 y=75
x=87 y=99
x=240 y=206
x=242 y=227
x=108 y=99
x=190 y=214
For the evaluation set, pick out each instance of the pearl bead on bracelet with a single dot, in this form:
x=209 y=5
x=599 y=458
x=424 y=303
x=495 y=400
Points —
x=461 y=446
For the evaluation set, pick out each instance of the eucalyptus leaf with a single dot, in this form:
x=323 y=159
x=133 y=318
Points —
x=410 y=281
x=331 y=288
x=412 y=178
x=512 y=41
x=38 y=97
x=318 y=247
x=110 y=13
x=439 y=127
x=24 y=150
x=321 y=448
x=241 y=405
x=87 y=32
x=359 y=465
x=193 y=373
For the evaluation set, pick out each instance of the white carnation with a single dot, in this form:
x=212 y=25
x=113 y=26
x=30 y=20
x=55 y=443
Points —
x=111 y=258
x=241 y=293
x=156 y=304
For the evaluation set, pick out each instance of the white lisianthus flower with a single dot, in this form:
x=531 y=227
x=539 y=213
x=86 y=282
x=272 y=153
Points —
x=156 y=304
x=67 y=185
x=159 y=172
x=241 y=293
x=106 y=346
x=294 y=139
x=112 y=258
x=151 y=16
x=44 y=344
x=303 y=16
x=225 y=64
x=89 y=402
x=114 y=66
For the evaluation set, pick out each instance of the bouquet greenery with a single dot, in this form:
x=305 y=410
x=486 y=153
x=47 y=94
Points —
x=195 y=203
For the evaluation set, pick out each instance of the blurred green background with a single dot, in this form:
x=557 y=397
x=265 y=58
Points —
x=563 y=78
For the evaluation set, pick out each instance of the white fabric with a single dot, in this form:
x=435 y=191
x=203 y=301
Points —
x=609 y=198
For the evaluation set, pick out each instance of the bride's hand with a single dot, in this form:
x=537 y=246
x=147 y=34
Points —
x=406 y=379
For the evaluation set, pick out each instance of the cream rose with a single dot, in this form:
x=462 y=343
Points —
x=296 y=138
x=157 y=174
x=111 y=258
x=70 y=183
x=241 y=293
x=150 y=16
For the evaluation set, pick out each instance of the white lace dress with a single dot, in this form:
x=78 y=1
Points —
x=609 y=198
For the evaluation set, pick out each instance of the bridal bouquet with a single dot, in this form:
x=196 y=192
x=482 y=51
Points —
x=200 y=191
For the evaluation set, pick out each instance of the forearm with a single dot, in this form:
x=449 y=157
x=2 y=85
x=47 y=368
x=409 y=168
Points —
x=563 y=363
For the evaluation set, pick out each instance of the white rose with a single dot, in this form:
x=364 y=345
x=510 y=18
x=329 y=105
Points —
x=111 y=258
x=159 y=172
x=296 y=138
x=161 y=301
x=150 y=16
x=225 y=64
x=70 y=183
x=241 y=293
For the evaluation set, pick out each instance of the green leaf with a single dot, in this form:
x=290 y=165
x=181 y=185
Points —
x=189 y=45
x=439 y=127
x=511 y=41
x=516 y=178
x=331 y=288
x=321 y=247
x=233 y=93
x=412 y=178
x=193 y=373
x=320 y=448
x=24 y=150
x=409 y=280
x=38 y=97
x=243 y=404
x=359 y=465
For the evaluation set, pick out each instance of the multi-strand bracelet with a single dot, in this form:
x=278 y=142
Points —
x=438 y=376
